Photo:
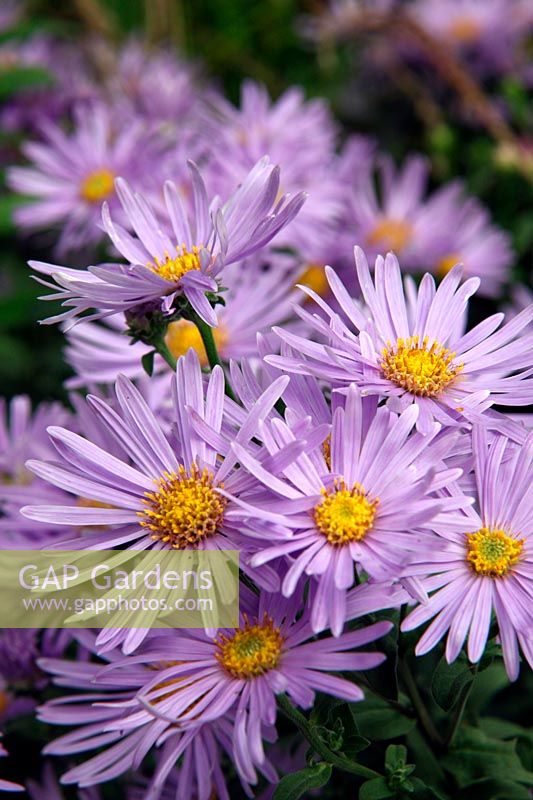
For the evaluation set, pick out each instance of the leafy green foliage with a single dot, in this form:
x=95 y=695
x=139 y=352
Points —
x=294 y=786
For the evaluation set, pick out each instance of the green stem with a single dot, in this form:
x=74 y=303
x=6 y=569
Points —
x=418 y=704
x=161 y=347
x=206 y=332
x=458 y=717
x=306 y=729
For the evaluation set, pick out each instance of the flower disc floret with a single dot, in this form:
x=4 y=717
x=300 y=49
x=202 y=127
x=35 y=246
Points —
x=345 y=515
x=183 y=335
x=98 y=185
x=492 y=552
x=419 y=369
x=252 y=650
x=391 y=234
x=185 y=509
x=173 y=268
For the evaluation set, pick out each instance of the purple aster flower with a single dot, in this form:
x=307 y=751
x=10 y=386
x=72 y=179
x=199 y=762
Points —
x=157 y=85
x=433 y=231
x=418 y=358
x=483 y=564
x=184 y=255
x=401 y=217
x=521 y=298
x=49 y=789
x=200 y=775
x=484 y=250
x=133 y=500
x=180 y=680
x=487 y=33
x=8 y=786
x=355 y=497
x=31 y=107
x=71 y=174
x=23 y=436
x=255 y=300
x=298 y=135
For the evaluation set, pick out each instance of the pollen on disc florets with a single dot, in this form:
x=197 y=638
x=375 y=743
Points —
x=345 y=515
x=419 y=369
x=98 y=185
x=174 y=267
x=185 y=509
x=492 y=552
x=252 y=650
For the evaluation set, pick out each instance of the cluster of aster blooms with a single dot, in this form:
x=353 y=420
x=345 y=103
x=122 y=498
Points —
x=333 y=424
x=351 y=454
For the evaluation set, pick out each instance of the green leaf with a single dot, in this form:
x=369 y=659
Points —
x=475 y=756
x=352 y=741
x=450 y=682
x=20 y=78
x=493 y=789
x=428 y=767
x=395 y=756
x=377 y=721
x=488 y=683
x=498 y=728
x=376 y=789
x=293 y=786
x=147 y=362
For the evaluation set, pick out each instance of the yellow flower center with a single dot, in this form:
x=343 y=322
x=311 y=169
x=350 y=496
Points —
x=4 y=702
x=183 y=335
x=492 y=552
x=326 y=451
x=446 y=264
x=391 y=234
x=464 y=30
x=345 y=515
x=252 y=650
x=185 y=509
x=315 y=278
x=421 y=370
x=98 y=185
x=174 y=268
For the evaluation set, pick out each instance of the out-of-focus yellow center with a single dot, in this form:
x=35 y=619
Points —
x=464 y=29
x=315 y=278
x=345 y=515
x=391 y=234
x=252 y=650
x=326 y=451
x=183 y=335
x=422 y=370
x=86 y=502
x=447 y=263
x=492 y=552
x=4 y=703
x=98 y=185
x=185 y=509
x=173 y=268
